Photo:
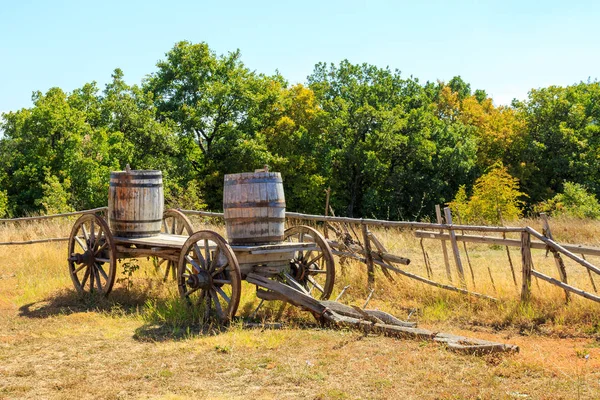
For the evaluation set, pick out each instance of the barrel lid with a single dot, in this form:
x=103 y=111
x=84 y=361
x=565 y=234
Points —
x=251 y=175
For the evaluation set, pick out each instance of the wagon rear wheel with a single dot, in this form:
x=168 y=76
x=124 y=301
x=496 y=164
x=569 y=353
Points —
x=208 y=276
x=92 y=255
x=313 y=269
x=175 y=223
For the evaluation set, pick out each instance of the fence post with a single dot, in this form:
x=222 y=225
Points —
x=438 y=213
x=368 y=255
x=526 y=269
x=459 y=267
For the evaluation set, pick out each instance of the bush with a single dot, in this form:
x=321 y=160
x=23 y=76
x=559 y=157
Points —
x=494 y=192
x=574 y=202
x=56 y=195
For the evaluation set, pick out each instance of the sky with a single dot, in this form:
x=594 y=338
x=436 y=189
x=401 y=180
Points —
x=504 y=47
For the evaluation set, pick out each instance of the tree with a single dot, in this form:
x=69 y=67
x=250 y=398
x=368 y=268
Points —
x=494 y=193
x=216 y=103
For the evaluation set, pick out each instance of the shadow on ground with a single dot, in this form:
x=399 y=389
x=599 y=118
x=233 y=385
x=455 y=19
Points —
x=68 y=301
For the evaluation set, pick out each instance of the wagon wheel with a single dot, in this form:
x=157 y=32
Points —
x=92 y=255
x=208 y=276
x=313 y=269
x=175 y=223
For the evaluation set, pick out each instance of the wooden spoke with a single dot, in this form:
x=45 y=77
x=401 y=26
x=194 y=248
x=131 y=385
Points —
x=198 y=253
x=207 y=253
x=316 y=271
x=194 y=264
x=314 y=260
x=222 y=281
x=85 y=276
x=81 y=266
x=315 y=284
x=97 y=279
x=186 y=294
x=101 y=248
x=165 y=227
x=222 y=293
x=102 y=260
x=215 y=259
x=102 y=272
x=80 y=243
x=215 y=299
x=85 y=232
x=92 y=278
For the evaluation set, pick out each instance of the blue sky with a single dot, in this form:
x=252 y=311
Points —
x=504 y=47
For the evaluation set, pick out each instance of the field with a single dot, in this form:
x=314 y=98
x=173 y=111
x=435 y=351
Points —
x=140 y=343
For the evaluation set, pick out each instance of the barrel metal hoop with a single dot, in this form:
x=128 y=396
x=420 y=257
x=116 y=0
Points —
x=135 y=221
x=132 y=184
x=252 y=220
x=257 y=240
x=241 y=181
x=253 y=204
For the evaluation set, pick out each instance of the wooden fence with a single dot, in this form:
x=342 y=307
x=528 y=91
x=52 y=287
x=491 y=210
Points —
x=371 y=252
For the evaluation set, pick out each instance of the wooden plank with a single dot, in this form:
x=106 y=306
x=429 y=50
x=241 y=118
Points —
x=433 y=283
x=560 y=265
x=279 y=248
x=42 y=217
x=438 y=214
x=455 y=251
x=491 y=240
x=565 y=286
x=377 y=222
x=34 y=241
x=160 y=240
x=376 y=255
x=527 y=266
x=368 y=257
x=563 y=250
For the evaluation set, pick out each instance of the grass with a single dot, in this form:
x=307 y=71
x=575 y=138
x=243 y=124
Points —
x=142 y=343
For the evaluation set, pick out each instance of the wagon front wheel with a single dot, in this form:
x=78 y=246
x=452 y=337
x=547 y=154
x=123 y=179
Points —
x=314 y=269
x=208 y=276
x=92 y=255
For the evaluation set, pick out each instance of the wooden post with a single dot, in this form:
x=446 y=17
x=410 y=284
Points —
x=427 y=267
x=438 y=213
x=325 y=233
x=368 y=256
x=526 y=260
x=590 y=275
x=469 y=259
x=512 y=268
x=459 y=267
x=560 y=265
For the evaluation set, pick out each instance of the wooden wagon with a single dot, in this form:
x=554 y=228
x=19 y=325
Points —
x=207 y=267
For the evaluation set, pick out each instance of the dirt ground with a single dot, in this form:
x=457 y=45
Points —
x=66 y=351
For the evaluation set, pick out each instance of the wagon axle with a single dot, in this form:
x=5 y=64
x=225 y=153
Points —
x=201 y=280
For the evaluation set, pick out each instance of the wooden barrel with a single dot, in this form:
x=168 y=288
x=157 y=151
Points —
x=254 y=207
x=135 y=203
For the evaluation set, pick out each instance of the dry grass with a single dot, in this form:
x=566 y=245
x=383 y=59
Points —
x=139 y=344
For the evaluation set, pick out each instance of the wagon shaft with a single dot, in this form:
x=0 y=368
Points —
x=371 y=321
